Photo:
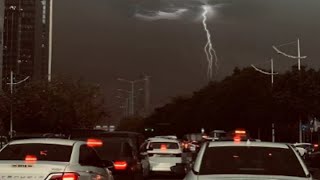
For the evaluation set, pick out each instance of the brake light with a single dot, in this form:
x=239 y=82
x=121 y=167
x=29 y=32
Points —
x=30 y=158
x=163 y=147
x=120 y=165
x=65 y=176
x=315 y=145
x=94 y=142
x=70 y=176
x=240 y=132
x=236 y=139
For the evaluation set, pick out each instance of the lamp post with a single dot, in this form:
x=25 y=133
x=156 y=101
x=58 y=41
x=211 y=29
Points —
x=132 y=110
x=12 y=83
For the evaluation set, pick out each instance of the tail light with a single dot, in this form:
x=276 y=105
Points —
x=120 y=165
x=236 y=139
x=315 y=145
x=65 y=176
x=163 y=147
x=30 y=159
x=94 y=142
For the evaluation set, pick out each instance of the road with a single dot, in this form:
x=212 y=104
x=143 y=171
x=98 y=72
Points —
x=164 y=178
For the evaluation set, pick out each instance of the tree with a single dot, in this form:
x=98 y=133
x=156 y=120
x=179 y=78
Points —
x=247 y=99
x=56 y=106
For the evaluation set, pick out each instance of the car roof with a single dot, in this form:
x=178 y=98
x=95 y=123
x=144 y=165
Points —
x=297 y=144
x=46 y=141
x=248 y=143
x=163 y=140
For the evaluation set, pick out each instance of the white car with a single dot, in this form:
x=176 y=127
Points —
x=247 y=160
x=162 y=154
x=51 y=159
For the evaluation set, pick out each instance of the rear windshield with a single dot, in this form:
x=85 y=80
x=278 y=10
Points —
x=113 y=150
x=251 y=160
x=166 y=145
x=43 y=152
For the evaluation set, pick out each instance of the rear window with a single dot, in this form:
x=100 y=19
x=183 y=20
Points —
x=43 y=152
x=166 y=145
x=251 y=160
x=113 y=150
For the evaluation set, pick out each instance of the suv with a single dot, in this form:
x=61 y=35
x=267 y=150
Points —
x=119 y=148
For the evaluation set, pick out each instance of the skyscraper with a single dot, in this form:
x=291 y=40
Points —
x=1 y=37
x=26 y=39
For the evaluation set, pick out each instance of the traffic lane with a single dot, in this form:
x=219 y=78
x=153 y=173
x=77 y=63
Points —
x=165 y=178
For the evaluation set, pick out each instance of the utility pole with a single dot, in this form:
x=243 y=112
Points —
x=299 y=57
x=132 y=108
x=273 y=133
x=12 y=83
x=272 y=73
x=147 y=95
x=50 y=41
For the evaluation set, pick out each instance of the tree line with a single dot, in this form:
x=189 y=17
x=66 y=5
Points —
x=246 y=99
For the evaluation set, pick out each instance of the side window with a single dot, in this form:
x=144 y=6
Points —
x=89 y=157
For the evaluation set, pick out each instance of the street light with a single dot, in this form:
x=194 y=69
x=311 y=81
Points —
x=132 y=91
x=11 y=92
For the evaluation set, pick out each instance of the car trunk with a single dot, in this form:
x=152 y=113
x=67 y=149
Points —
x=15 y=170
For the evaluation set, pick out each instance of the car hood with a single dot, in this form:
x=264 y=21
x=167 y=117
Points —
x=249 y=177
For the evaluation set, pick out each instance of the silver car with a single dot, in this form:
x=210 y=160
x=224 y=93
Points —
x=247 y=160
x=52 y=159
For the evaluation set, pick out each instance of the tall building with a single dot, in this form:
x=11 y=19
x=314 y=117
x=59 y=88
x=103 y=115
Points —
x=1 y=37
x=26 y=39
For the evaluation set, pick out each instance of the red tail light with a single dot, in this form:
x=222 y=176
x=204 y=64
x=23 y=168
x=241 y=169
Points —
x=70 y=176
x=163 y=147
x=236 y=139
x=65 y=176
x=94 y=142
x=120 y=165
x=30 y=158
x=315 y=145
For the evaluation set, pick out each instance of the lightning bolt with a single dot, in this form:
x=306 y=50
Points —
x=208 y=48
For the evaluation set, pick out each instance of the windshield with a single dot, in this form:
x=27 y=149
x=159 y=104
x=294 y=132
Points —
x=43 y=152
x=251 y=160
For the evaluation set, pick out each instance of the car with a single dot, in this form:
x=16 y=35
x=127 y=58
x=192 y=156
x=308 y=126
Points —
x=135 y=139
x=52 y=159
x=162 y=154
x=121 y=150
x=307 y=146
x=246 y=160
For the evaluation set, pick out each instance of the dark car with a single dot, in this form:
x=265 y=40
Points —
x=135 y=139
x=120 y=148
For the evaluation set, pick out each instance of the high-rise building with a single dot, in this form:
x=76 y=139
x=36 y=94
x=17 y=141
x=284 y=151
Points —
x=26 y=39
x=1 y=37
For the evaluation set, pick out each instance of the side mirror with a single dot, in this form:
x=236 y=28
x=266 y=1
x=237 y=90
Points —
x=108 y=164
x=179 y=169
x=142 y=155
x=149 y=149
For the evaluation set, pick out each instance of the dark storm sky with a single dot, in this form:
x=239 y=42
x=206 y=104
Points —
x=101 y=40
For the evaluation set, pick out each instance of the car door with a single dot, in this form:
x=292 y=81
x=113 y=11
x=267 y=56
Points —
x=91 y=164
x=144 y=159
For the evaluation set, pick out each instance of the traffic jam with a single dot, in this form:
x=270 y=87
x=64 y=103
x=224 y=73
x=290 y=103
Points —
x=93 y=154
